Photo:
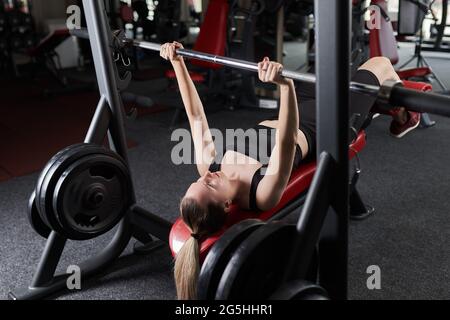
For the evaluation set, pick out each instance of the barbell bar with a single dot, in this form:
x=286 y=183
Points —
x=389 y=93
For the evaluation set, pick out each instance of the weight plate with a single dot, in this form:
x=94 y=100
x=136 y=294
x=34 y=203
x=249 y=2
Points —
x=256 y=268
x=35 y=219
x=42 y=186
x=300 y=290
x=92 y=195
x=50 y=176
x=219 y=256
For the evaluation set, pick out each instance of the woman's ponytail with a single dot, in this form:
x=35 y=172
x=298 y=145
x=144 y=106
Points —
x=201 y=222
x=187 y=269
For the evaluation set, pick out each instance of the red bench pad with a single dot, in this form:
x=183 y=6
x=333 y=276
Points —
x=51 y=41
x=414 y=73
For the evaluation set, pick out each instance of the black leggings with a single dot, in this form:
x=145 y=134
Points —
x=360 y=111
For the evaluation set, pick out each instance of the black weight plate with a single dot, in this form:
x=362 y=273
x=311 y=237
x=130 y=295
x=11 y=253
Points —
x=300 y=290
x=256 y=268
x=50 y=176
x=35 y=219
x=92 y=195
x=219 y=256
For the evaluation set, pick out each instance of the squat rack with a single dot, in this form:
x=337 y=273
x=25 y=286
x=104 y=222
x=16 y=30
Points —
x=108 y=121
x=326 y=210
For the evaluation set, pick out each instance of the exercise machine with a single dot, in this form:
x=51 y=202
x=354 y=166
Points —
x=105 y=198
x=441 y=42
x=416 y=11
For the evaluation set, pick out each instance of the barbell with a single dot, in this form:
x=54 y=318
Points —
x=390 y=93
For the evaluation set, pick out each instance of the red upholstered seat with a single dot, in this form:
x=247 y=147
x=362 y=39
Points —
x=414 y=73
x=384 y=44
x=51 y=41
x=298 y=185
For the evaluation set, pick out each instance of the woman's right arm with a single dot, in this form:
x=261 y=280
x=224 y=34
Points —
x=205 y=151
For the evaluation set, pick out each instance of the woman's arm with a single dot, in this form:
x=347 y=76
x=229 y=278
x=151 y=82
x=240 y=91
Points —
x=272 y=186
x=205 y=151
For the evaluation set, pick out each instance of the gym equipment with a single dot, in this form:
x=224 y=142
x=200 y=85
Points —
x=167 y=20
x=220 y=254
x=83 y=192
x=43 y=53
x=17 y=25
x=101 y=182
x=241 y=45
x=20 y=41
x=249 y=273
x=411 y=14
x=297 y=18
x=20 y=22
x=244 y=270
x=300 y=290
x=329 y=189
x=35 y=219
x=422 y=10
x=383 y=43
x=360 y=37
x=324 y=219
x=390 y=93
x=439 y=43
x=86 y=188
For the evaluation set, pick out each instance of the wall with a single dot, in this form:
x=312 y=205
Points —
x=43 y=10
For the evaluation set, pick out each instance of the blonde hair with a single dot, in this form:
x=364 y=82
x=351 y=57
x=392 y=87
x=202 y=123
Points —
x=187 y=269
x=201 y=222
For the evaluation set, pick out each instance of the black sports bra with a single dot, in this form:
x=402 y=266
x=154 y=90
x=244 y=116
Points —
x=242 y=145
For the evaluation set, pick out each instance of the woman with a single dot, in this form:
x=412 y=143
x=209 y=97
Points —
x=239 y=179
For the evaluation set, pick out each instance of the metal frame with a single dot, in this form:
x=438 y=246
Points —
x=108 y=121
x=437 y=104
x=439 y=45
x=422 y=61
x=325 y=214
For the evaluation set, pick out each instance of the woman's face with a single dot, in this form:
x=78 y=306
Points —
x=211 y=187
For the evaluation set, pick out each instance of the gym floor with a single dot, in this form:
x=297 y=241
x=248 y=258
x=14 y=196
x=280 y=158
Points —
x=405 y=180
